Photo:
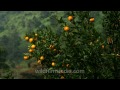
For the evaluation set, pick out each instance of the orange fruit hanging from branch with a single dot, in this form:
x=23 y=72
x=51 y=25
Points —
x=54 y=50
x=92 y=19
x=66 y=28
x=39 y=61
x=118 y=55
x=53 y=63
x=31 y=40
x=103 y=46
x=67 y=65
x=26 y=38
x=51 y=46
x=70 y=18
x=31 y=50
x=33 y=46
x=42 y=58
x=36 y=34
x=26 y=57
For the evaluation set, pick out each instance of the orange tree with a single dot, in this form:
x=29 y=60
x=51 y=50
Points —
x=43 y=46
x=83 y=46
x=111 y=23
x=74 y=53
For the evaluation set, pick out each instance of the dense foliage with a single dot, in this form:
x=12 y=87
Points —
x=77 y=46
x=85 y=41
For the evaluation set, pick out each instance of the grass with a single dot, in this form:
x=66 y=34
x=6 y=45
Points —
x=22 y=67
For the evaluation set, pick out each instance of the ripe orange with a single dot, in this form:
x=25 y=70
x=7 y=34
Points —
x=42 y=58
x=67 y=65
x=31 y=50
x=39 y=62
x=26 y=38
x=118 y=55
x=70 y=18
x=92 y=19
x=54 y=50
x=36 y=34
x=31 y=40
x=103 y=46
x=62 y=77
x=53 y=63
x=26 y=57
x=66 y=28
x=51 y=46
x=33 y=46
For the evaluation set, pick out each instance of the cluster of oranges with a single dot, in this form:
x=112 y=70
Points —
x=66 y=28
x=32 y=49
x=70 y=18
x=40 y=59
